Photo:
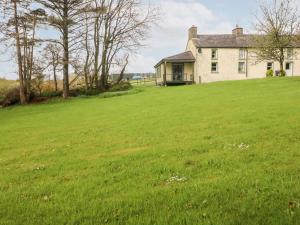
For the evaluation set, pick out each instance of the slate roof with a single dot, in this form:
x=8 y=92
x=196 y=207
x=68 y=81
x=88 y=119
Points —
x=182 y=57
x=227 y=41
x=224 y=41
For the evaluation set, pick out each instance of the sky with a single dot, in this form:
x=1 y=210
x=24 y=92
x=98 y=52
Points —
x=169 y=36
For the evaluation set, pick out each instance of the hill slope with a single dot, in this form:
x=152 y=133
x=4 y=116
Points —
x=223 y=153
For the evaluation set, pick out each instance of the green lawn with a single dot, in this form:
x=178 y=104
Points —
x=219 y=154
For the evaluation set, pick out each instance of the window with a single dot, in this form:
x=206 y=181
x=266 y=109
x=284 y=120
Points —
x=290 y=53
x=288 y=66
x=214 y=53
x=158 y=72
x=269 y=66
x=214 y=67
x=199 y=50
x=242 y=67
x=242 y=54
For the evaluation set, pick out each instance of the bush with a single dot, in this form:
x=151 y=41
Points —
x=270 y=73
x=51 y=94
x=82 y=91
x=280 y=73
x=283 y=73
x=122 y=86
x=11 y=97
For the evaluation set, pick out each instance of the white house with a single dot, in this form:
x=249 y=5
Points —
x=210 y=58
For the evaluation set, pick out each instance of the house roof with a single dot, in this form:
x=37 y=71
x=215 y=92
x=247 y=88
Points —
x=228 y=41
x=182 y=57
x=223 y=41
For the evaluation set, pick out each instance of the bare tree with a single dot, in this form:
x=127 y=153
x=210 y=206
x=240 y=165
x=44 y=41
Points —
x=10 y=29
x=121 y=76
x=126 y=25
x=112 y=29
x=52 y=54
x=19 y=23
x=65 y=17
x=38 y=76
x=277 y=27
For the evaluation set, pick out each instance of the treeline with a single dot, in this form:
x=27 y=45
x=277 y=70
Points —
x=85 y=38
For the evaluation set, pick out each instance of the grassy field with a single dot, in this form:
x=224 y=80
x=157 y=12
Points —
x=220 y=154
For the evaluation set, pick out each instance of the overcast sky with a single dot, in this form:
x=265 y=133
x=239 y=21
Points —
x=170 y=35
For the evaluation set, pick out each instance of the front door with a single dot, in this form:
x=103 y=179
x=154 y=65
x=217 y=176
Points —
x=289 y=69
x=177 y=72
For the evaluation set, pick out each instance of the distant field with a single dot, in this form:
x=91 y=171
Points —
x=216 y=154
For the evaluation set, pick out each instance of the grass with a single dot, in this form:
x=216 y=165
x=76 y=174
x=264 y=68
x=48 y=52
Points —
x=224 y=154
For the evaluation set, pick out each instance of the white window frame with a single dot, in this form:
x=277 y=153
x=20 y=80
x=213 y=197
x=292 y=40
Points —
x=272 y=68
x=290 y=53
x=242 y=54
x=216 y=67
x=243 y=71
x=290 y=65
x=214 y=54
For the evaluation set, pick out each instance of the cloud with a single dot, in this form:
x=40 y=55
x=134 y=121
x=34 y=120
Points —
x=170 y=35
x=141 y=63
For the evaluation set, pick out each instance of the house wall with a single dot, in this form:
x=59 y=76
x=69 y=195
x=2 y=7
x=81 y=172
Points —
x=228 y=59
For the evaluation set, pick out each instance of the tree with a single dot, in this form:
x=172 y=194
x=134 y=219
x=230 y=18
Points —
x=18 y=27
x=65 y=17
x=38 y=76
x=52 y=54
x=121 y=76
x=277 y=27
x=126 y=24
x=10 y=28
x=113 y=28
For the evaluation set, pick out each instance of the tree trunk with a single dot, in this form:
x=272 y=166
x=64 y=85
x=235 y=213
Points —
x=123 y=71
x=19 y=56
x=104 y=66
x=97 y=46
x=281 y=62
x=28 y=84
x=66 y=52
x=87 y=58
x=55 y=78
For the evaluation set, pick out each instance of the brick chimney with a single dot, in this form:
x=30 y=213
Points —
x=238 y=31
x=193 y=32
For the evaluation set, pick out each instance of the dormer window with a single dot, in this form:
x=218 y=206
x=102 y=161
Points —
x=214 y=54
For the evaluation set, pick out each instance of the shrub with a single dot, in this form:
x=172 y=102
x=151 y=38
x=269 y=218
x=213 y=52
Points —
x=82 y=91
x=11 y=97
x=270 y=73
x=282 y=73
x=122 y=86
x=51 y=94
